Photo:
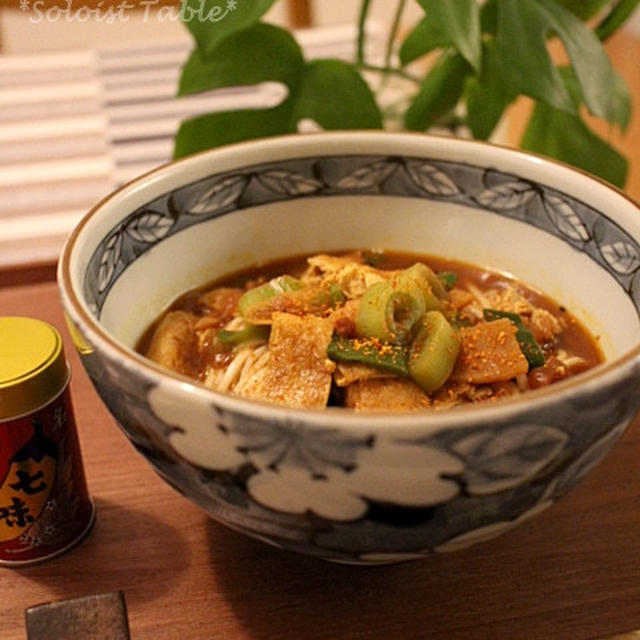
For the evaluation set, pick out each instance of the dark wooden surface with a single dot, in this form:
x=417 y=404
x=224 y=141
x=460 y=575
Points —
x=24 y=274
x=571 y=573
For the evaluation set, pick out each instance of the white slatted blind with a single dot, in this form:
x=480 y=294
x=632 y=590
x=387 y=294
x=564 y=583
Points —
x=76 y=125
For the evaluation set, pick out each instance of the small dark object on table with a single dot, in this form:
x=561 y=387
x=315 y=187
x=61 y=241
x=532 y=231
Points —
x=96 y=617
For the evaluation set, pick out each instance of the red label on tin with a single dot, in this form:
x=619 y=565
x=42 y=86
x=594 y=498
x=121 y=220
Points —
x=44 y=503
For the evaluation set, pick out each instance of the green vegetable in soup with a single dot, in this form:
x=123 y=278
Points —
x=387 y=313
x=385 y=357
x=448 y=279
x=251 y=334
x=258 y=295
x=417 y=281
x=434 y=351
x=336 y=295
x=427 y=278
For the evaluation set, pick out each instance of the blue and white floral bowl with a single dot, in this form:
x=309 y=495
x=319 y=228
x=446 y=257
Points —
x=342 y=486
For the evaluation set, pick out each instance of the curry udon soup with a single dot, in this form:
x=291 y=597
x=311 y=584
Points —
x=370 y=331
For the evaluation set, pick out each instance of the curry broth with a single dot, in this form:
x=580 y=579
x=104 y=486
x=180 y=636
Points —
x=574 y=339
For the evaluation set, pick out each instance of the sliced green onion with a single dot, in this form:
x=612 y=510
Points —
x=404 y=282
x=434 y=351
x=251 y=333
x=432 y=289
x=384 y=357
x=423 y=273
x=387 y=313
x=528 y=345
x=336 y=296
x=448 y=279
x=285 y=283
x=265 y=291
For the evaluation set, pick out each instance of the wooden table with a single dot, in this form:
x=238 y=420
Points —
x=573 y=572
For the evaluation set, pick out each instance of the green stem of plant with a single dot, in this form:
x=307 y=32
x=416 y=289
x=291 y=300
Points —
x=362 y=30
x=393 y=32
x=615 y=18
x=389 y=71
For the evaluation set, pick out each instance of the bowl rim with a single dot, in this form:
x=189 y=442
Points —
x=609 y=372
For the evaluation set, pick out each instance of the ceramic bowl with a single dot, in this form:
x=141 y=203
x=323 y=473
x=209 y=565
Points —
x=339 y=485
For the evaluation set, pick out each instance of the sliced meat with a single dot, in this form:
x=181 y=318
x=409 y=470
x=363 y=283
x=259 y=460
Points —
x=344 y=319
x=544 y=325
x=324 y=263
x=218 y=306
x=460 y=298
x=508 y=299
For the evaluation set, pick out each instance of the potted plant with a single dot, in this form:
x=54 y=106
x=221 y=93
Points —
x=463 y=64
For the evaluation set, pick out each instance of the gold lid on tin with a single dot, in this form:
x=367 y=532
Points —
x=33 y=369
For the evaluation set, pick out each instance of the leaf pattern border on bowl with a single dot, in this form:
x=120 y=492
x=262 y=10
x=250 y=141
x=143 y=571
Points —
x=557 y=213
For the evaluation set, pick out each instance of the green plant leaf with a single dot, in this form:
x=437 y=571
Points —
x=330 y=92
x=598 y=80
x=489 y=17
x=259 y=53
x=216 y=129
x=439 y=92
x=333 y=93
x=620 y=12
x=211 y=21
x=575 y=89
x=564 y=136
x=584 y=9
x=523 y=28
x=422 y=39
x=458 y=21
x=624 y=104
x=521 y=39
x=487 y=96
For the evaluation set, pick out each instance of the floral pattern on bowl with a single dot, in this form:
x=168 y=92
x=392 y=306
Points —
x=318 y=490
